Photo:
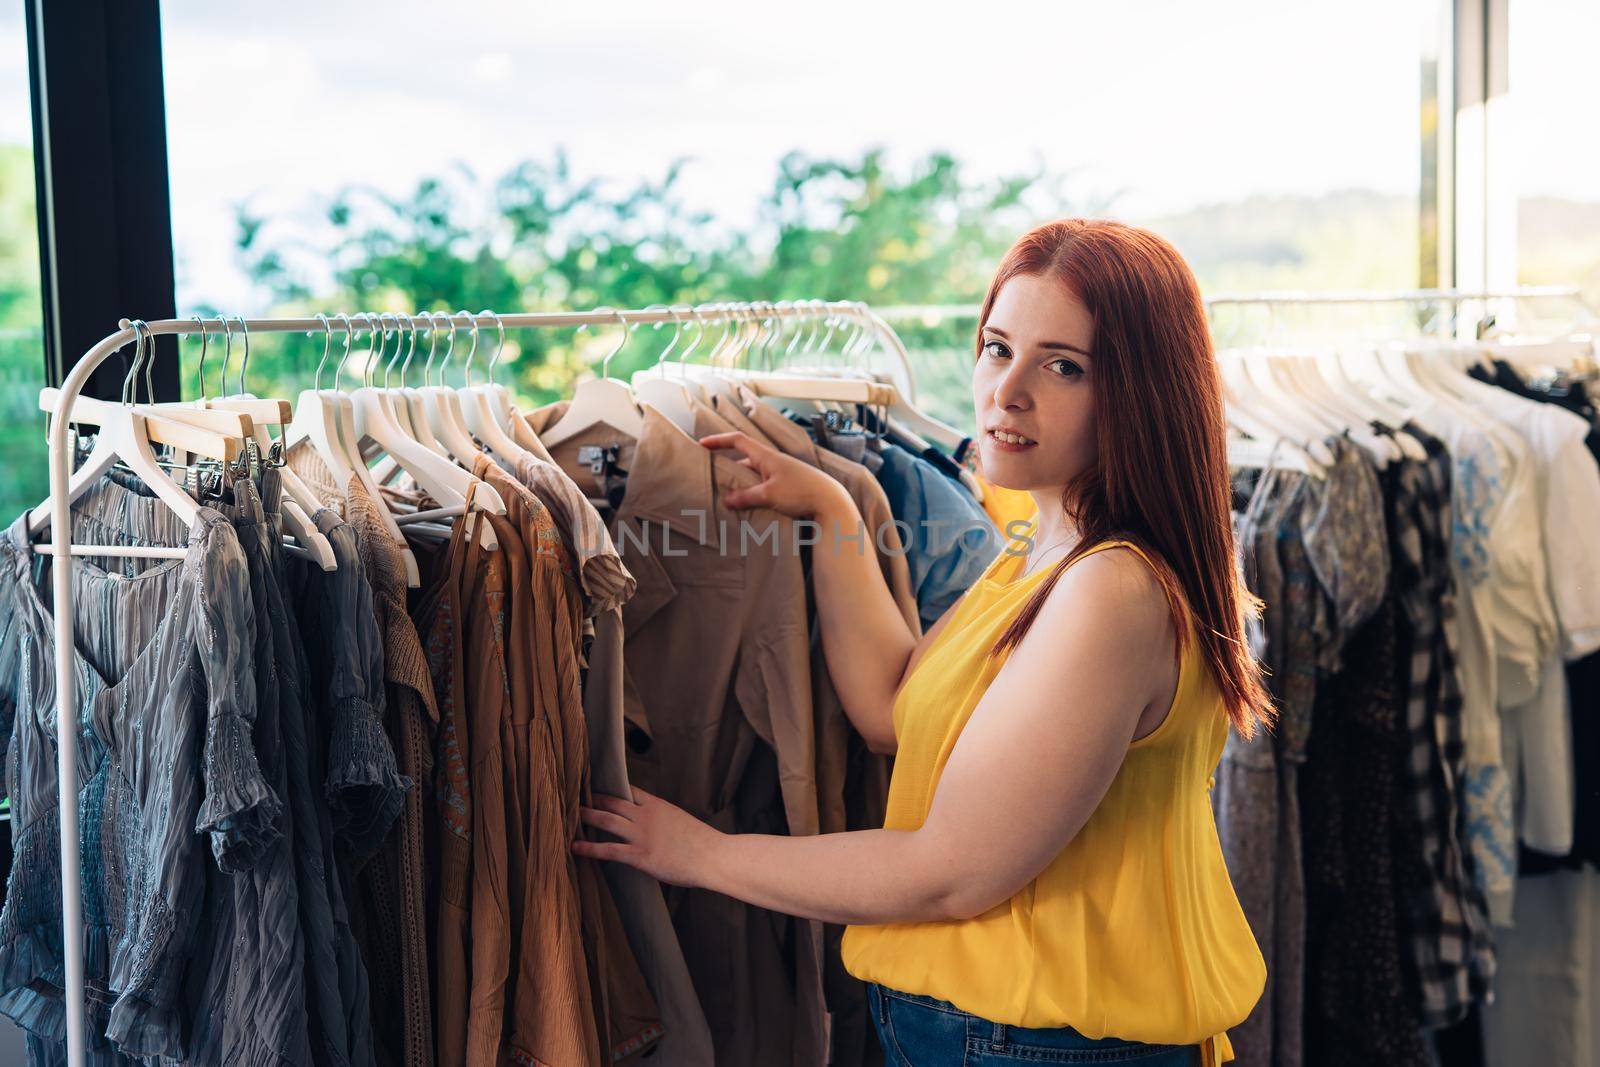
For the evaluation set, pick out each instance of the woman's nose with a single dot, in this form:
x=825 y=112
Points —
x=1010 y=392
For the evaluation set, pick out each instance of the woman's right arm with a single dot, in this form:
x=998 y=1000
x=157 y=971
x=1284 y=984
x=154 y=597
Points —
x=865 y=639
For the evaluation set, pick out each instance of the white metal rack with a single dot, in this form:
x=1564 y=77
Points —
x=61 y=543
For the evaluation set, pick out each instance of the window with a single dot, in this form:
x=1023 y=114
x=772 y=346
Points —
x=24 y=479
x=538 y=156
x=1557 y=155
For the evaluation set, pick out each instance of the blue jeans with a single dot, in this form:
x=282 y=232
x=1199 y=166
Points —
x=919 y=1031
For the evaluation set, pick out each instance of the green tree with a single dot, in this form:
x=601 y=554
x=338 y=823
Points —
x=23 y=472
x=541 y=238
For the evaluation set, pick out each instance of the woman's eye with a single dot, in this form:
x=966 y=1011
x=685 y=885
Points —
x=1066 y=368
x=995 y=349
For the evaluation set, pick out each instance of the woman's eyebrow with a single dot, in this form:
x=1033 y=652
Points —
x=1058 y=346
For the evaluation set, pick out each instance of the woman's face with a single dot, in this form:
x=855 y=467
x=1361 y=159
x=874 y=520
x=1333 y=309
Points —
x=1031 y=382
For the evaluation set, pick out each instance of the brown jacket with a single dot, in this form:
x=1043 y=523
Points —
x=852 y=780
x=717 y=696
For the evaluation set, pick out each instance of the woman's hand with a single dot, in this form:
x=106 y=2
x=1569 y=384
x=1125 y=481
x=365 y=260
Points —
x=658 y=837
x=787 y=485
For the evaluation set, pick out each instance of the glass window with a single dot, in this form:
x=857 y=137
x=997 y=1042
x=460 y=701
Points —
x=543 y=156
x=24 y=478
x=1554 y=101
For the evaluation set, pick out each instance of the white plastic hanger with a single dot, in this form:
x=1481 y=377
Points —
x=673 y=396
x=326 y=419
x=444 y=410
x=123 y=436
x=478 y=401
x=406 y=405
x=316 y=419
x=599 y=400
x=1300 y=371
x=438 y=477
x=299 y=502
x=1252 y=414
x=415 y=407
x=1330 y=368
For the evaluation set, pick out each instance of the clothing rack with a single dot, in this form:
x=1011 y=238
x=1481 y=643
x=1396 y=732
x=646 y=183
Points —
x=60 y=549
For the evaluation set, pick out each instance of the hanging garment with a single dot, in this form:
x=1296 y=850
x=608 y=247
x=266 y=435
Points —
x=1056 y=954
x=606 y=583
x=165 y=662
x=731 y=740
x=250 y=1004
x=682 y=1038
x=352 y=765
x=1448 y=950
x=846 y=768
x=1257 y=809
x=1479 y=479
x=1350 y=792
x=1583 y=675
x=388 y=903
x=545 y=638
x=950 y=538
x=1538 y=734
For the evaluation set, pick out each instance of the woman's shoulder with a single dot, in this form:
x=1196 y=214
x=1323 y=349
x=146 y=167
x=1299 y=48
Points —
x=1115 y=582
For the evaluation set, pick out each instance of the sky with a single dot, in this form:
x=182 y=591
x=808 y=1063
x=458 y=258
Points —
x=1160 y=104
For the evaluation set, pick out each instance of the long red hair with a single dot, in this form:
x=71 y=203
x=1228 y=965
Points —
x=1161 y=481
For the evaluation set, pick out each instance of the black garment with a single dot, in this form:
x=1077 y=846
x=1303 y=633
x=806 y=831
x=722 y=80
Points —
x=351 y=765
x=1350 y=794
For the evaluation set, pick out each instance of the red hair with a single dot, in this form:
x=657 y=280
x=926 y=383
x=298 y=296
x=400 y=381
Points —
x=1161 y=481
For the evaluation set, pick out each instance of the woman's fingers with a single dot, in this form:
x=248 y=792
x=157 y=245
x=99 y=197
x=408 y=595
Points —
x=622 y=806
x=734 y=439
x=607 y=821
x=754 y=496
x=601 y=850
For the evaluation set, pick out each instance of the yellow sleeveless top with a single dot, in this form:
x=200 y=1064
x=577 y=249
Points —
x=1133 y=930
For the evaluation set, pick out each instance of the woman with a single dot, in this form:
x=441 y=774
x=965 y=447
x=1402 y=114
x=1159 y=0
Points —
x=1048 y=883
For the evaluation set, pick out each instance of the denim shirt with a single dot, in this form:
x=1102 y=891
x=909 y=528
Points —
x=949 y=537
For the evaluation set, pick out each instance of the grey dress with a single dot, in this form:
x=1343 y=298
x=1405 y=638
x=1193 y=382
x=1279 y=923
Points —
x=167 y=699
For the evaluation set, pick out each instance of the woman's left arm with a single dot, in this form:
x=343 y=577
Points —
x=1031 y=765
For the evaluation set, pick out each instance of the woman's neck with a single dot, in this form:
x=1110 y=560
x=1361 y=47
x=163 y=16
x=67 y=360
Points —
x=1055 y=528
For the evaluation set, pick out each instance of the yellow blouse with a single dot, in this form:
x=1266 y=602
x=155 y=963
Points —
x=1133 y=930
x=1005 y=506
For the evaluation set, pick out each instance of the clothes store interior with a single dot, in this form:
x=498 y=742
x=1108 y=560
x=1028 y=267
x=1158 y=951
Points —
x=308 y=312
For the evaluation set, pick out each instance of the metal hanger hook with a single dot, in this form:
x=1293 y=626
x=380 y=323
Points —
x=227 y=354
x=205 y=340
x=499 y=344
x=472 y=322
x=449 y=350
x=433 y=346
x=327 y=347
x=245 y=362
x=378 y=341
x=699 y=333
x=724 y=312
x=349 y=331
x=410 y=349
x=677 y=331
x=398 y=329
x=132 y=376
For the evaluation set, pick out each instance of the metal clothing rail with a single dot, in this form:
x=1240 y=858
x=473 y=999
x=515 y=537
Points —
x=933 y=313
x=61 y=519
